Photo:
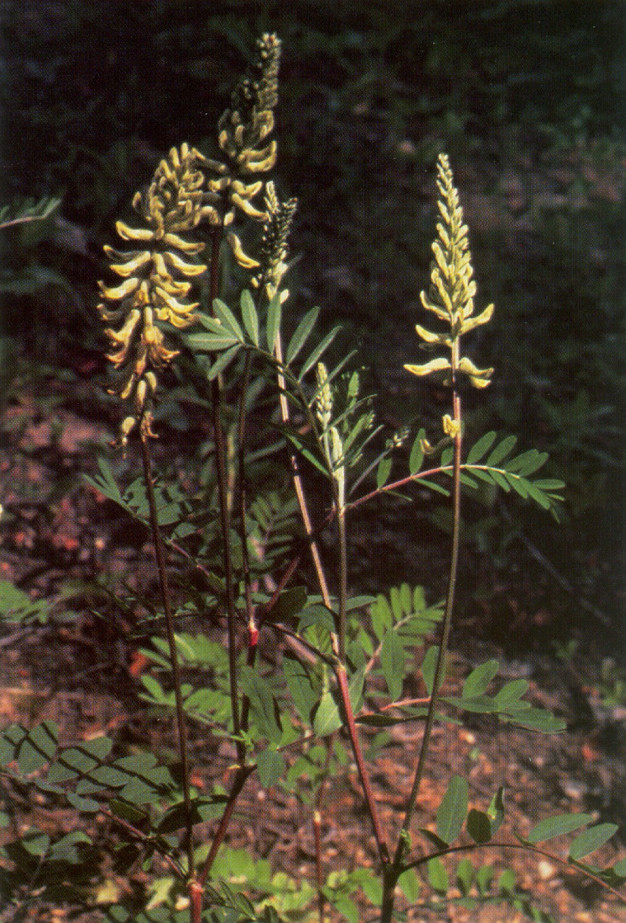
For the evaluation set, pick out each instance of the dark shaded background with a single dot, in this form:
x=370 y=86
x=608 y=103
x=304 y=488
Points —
x=527 y=98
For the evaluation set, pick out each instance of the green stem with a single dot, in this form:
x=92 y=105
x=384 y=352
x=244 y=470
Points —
x=171 y=640
x=391 y=875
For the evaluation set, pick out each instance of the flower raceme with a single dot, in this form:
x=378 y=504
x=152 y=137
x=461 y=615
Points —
x=452 y=289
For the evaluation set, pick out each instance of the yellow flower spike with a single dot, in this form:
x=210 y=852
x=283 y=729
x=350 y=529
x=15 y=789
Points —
x=156 y=284
x=452 y=288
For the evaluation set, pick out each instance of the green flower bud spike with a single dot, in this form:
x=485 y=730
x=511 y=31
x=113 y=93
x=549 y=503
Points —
x=452 y=289
x=156 y=283
x=274 y=247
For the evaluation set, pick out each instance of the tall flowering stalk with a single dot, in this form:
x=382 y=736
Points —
x=451 y=299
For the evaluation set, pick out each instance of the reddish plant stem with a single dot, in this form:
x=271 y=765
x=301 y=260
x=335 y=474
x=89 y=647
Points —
x=381 y=846
x=239 y=781
x=171 y=640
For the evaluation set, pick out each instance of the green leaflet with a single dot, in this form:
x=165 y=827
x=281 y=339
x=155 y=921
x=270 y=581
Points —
x=452 y=810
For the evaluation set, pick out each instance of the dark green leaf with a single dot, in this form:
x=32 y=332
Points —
x=249 y=316
x=210 y=342
x=222 y=362
x=537 y=719
x=479 y=826
x=383 y=472
x=270 y=766
x=429 y=664
x=480 y=448
x=228 y=319
x=478 y=680
x=289 y=604
x=527 y=463
x=316 y=614
x=303 y=687
x=511 y=692
x=590 y=840
x=274 y=313
x=301 y=334
x=327 y=716
x=318 y=352
x=558 y=825
x=85 y=805
x=503 y=449
x=452 y=810
x=392 y=659
x=416 y=456
x=409 y=884
x=11 y=738
x=38 y=747
x=465 y=873
x=262 y=703
x=437 y=876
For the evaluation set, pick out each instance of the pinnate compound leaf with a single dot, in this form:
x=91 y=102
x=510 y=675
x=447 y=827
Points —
x=452 y=810
x=392 y=659
x=558 y=825
x=590 y=840
x=249 y=316
x=301 y=334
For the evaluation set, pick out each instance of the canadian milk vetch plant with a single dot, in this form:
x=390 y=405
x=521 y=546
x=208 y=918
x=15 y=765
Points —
x=293 y=677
